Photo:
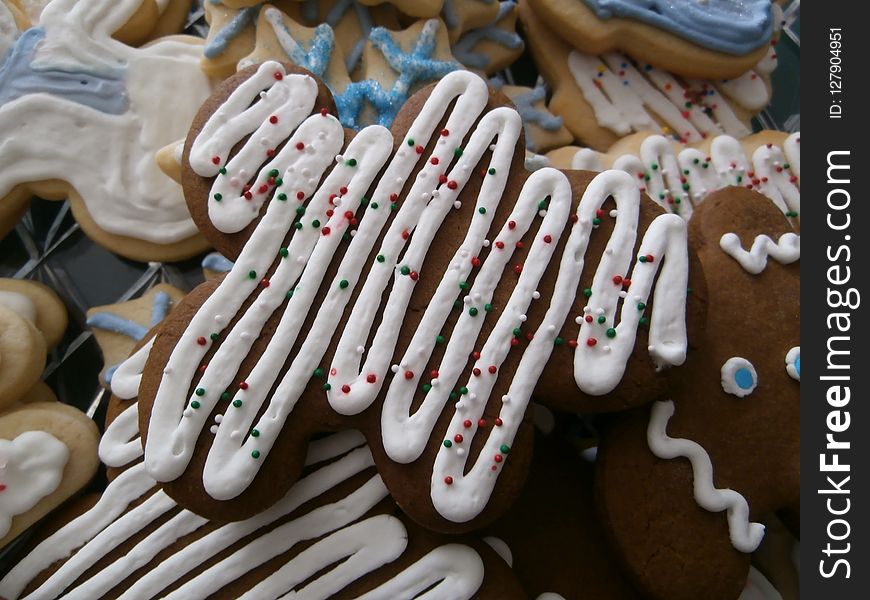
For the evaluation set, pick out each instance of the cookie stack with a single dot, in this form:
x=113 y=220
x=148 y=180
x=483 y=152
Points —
x=416 y=368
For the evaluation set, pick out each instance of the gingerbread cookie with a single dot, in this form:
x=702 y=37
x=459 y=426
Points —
x=706 y=461
x=48 y=451
x=336 y=534
x=39 y=304
x=603 y=98
x=119 y=327
x=63 y=77
x=713 y=40
x=329 y=236
x=679 y=177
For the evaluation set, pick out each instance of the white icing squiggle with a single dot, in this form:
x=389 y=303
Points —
x=31 y=468
x=786 y=250
x=745 y=535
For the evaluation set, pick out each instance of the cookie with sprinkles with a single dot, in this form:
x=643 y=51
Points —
x=720 y=453
x=712 y=40
x=679 y=176
x=415 y=283
x=336 y=534
x=605 y=97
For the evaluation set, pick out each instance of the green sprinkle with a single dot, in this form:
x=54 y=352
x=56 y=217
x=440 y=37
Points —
x=255 y=433
x=284 y=252
x=374 y=206
x=695 y=161
x=646 y=177
x=225 y=396
x=218 y=197
x=290 y=294
x=255 y=454
x=300 y=210
x=252 y=274
x=315 y=223
x=689 y=290
x=318 y=372
x=237 y=403
x=642 y=258
x=654 y=167
x=602 y=319
x=558 y=341
x=448 y=443
x=364 y=201
x=214 y=337
x=643 y=320
x=505 y=448
x=326 y=387
x=279 y=182
x=706 y=165
x=200 y=392
x=463 y=390
x=380 y=258
x=194 y=404
x=410 y=142
x=542 y=205
x=345 y=236
x=274 y=173
x=517 y=331
x=791 y=214
x=472 y=311
x=596 y=221
x=463 y=285
x=739 y=178
x=405 y=270
x=641 y=306
x=487 y=307
x=661 y=196
x=297 y=225
x=457 y=152
x=282 y=196
x=439 y=339
x=611 y=333
x=491 y=171
x=677 y=201
x=786 y=166
x=343 y=283
x=587 y=292
x=482 y=210
x=394 y=207
x=457 y=304
x=686 y=187
x=454 y=395
x=427 y=387
x=222 y=170
x=351 y=162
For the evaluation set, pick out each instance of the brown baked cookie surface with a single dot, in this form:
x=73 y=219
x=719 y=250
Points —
x=734 y=415
x=414 y=283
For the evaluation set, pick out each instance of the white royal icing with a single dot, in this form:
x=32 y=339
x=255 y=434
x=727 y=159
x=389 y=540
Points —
x=792 y=363
x=785 y=251
x=451 y=571
x=108 y=158
x=31 y=468
x=625 y=98
x=361 y=364
x=739 y=377
x=745 y=535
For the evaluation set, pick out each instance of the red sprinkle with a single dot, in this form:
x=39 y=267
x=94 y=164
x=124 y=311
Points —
x=243 y=385
x=348 y=215
x=200 y=340
x=371 y=378
x=481 y=423
x=326 y=231
x=518 y=269
x=406 y=234
x=458 y=438
x=279 y=76
x=498 y=458
x=626 y=283
x=649 y=258
x=475 y=262
x=452 y=184
x=617 y=280
x=434 y=374
x=216 y=160
x=445 y=133
x=273 y=119
x=265 y=282
x=448 y=480
x=492 y=369
x=300 y=146
x=345 y=388
x=572 y=343
x=442 y=178
x=548 y=239
x=323 y=112
x=263 y=189
x=499 y=245
x=414 y=275
x=342 y=190
x=467 y=423
x=589 y=318
x=591 y=342
x=394 y=197
x=475 y=355
x=419 y=149
x=476 y=372
x=498 y=422
x=409 y=375
x=300 y=195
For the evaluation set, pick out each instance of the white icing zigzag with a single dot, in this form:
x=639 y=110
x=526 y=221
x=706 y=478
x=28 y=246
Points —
x=785 y=251
x=362 y=362
x=352 y=547
x=745 y=535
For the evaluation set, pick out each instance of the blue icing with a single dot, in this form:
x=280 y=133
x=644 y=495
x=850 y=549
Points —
x=160 y=307
x=104 y=91
x=316 y=57
x=413 y=67
x=797 y=365
x=531 y=115
x=218 y=44
x=730 y=26
x=743 y=378
x=462 y=49
x=217 y=262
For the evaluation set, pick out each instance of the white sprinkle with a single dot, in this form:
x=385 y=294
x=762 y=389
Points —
x=243 y=174
x=422 y=175
x=623 y=294
x=476 y=296
x=463 y=253
x=399 y=180
x=472 y=396
x=300 y=260
x=587 y=310
x=394 y=368
x=492 y=147
x=599 y=311
x=187 y=413
x=459 y=405
x=213 y=429
x=551 y=328
x=321 y=135
x=542 y=213
x=613 y=213
x=505 y=398
x=436 y=193
x=264 y=141
x=457 y=205
x=245 y=335
x=218 y=418
x=339 y=158
x=460 y=452
x=486 y=243
x=424 y=196
x=337 y=201
x=536 y=295
x=236 y=435
x=234 y=181
x=360 y=349
x=523 y=318
x=167 y=370
x=434 y=382
x=467 y=299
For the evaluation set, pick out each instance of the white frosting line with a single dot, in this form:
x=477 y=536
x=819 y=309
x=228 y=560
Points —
x=745 y=535
x=785 y=251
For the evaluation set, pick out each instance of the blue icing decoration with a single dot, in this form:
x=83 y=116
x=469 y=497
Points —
x=462 y=49
x=218 y=44
x=743 y=378
x=797 y=365
x=730 y=26
x=316 y=57
x=530 y=114
x=217 y=262
x=160 y=305
x=104 y=92
x=413 y=67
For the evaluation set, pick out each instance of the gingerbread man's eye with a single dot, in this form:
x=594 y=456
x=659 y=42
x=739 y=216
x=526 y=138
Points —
x=739 y=377
x=793 y=363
